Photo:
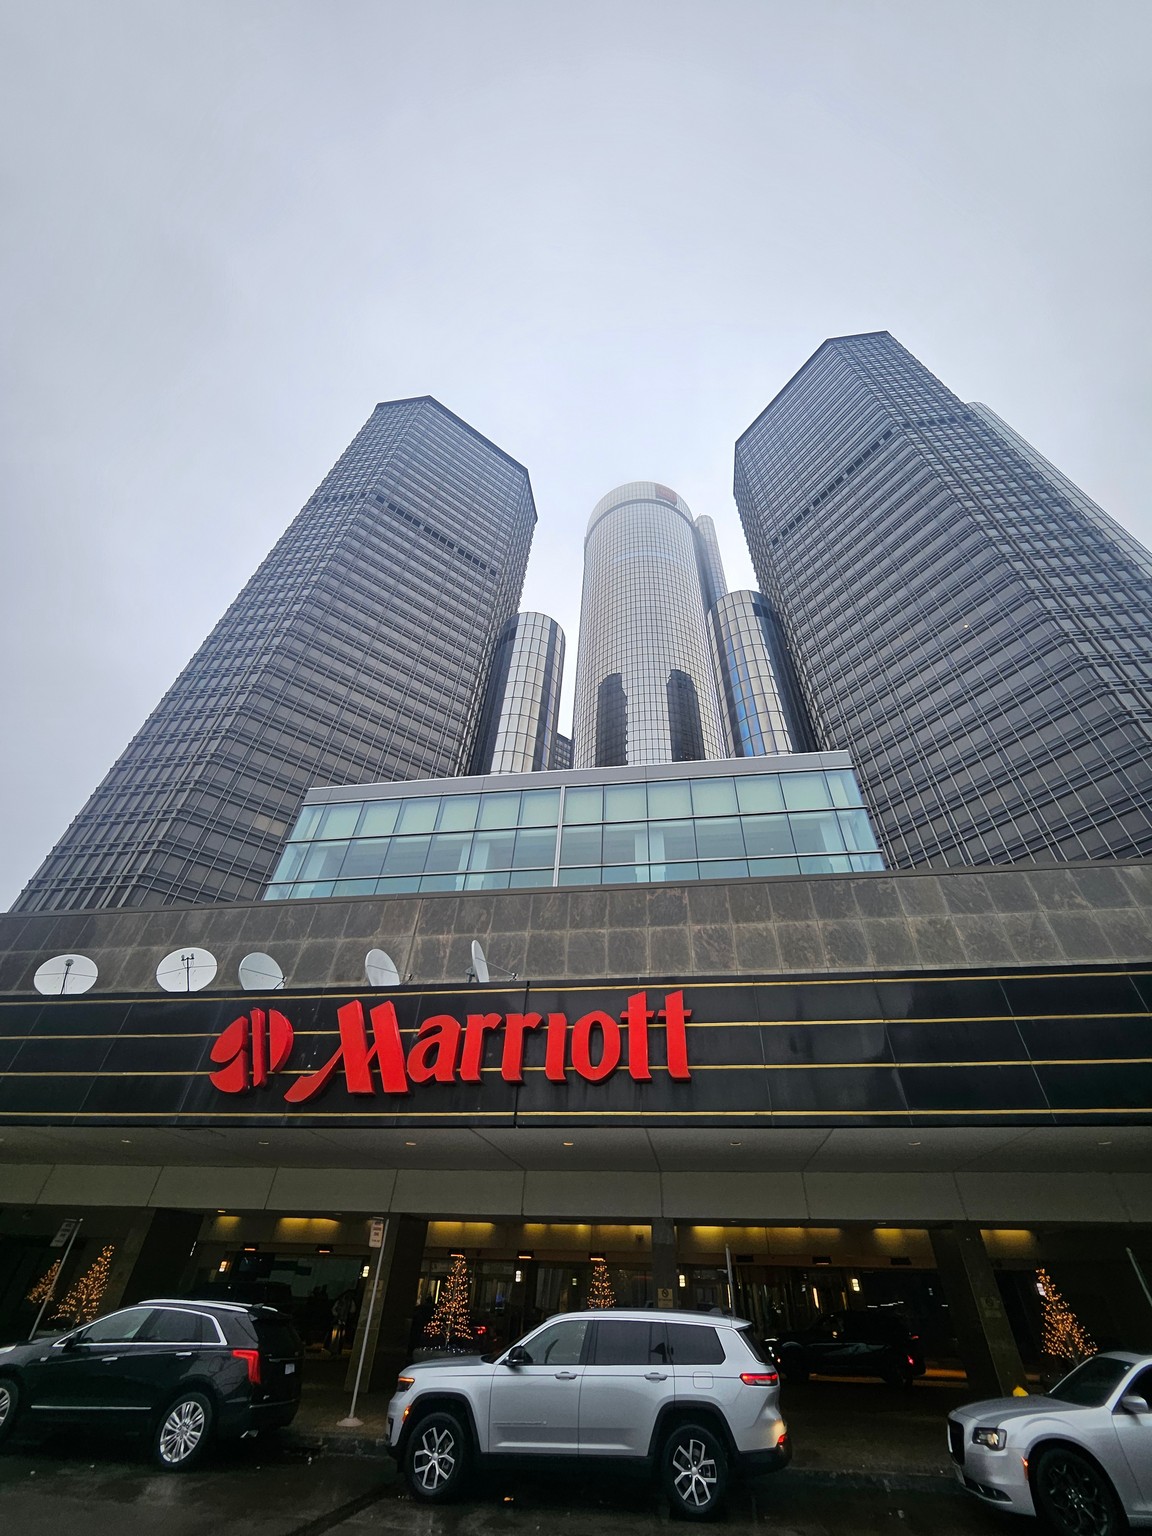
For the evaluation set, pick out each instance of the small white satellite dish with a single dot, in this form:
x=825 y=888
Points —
x=380 y=969
x=186 y=970
x=65 y=974
x=479 y=962
x=260 y=973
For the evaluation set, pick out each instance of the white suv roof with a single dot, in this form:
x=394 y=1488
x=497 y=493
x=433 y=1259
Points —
x=655 y=1315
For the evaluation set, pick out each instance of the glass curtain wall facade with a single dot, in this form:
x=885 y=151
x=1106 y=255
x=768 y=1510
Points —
x=962 y=619
x=645 y=688
x=358 y=651
x=628 y=827
x=522 y=700
x=744 y=664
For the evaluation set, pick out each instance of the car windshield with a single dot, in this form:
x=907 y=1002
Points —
x=1092 y=1382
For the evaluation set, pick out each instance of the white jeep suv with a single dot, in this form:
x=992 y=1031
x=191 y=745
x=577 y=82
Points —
x=686 y=1393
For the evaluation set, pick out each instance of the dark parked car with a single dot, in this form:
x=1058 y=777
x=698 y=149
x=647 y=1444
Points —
x=180 y=1371
x=867 y=1343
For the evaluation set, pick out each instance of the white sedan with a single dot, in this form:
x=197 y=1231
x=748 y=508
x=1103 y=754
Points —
x=1080 y=1456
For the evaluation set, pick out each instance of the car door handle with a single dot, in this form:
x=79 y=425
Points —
x=565 y=1375
x=656 y=1376
x=183 y=1354
x=108 y=1359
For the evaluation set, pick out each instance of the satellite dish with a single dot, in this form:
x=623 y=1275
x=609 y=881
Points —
x=186 y=970
x=479 y=962
x=65 y=974
x=260 y=973
x=380 y=970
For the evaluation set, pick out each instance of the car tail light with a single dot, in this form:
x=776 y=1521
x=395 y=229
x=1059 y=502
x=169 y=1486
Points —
x=759 y=1378
x=251 y=1358
x=911 y=1361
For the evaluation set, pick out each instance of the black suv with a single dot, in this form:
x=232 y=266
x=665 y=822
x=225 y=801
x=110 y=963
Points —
x=182 y=1371
x=874 y=1342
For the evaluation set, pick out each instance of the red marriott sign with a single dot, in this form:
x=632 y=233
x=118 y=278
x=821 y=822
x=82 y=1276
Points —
x=371 y=1056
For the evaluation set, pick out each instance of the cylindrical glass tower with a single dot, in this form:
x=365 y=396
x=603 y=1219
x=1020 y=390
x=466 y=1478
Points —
x=741 y=637
x=522 y=700
x=645 y=687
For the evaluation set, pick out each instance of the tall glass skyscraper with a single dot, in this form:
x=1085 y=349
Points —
x=963 y=619
x=522 y=702
x=358 y=652
x=645 y=688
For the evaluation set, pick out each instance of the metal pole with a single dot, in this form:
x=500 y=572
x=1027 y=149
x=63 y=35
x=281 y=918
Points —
x=731 y=1282
x=352 y=1422
x=52 y=1293
x=1139 y=1275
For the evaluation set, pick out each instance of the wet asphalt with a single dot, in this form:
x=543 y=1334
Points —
x=76 y=1486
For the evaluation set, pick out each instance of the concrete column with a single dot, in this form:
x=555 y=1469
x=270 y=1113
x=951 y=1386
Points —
x=987 y=1348
x=664 y=1289
x=388 y=1350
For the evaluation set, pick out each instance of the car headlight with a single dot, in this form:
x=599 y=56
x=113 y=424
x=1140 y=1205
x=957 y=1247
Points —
x=994 y=1439
x=403 y=1383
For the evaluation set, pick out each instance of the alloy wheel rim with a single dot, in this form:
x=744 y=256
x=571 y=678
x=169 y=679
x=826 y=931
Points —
x=5 y=1402
x=435 y=1460
x=182 y=1432
x=1077 y=1498
x=694 y=1473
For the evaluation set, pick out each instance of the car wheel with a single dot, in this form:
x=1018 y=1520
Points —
x=694 y=1472
x=9 y=1406
x=182 y=1432
x=437 y=1457
x=1074 y=1496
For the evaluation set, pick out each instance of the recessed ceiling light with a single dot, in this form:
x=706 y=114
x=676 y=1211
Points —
x=125 y=1141
x=409 y=1143
x=568 y=1143
x=262 y=1143
x=220 y=1212
x=1103 y=1143
x=735 y=1143
x=914 y=1143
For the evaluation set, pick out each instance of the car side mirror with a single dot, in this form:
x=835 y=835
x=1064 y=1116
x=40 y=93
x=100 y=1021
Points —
x=72 y=1341
x=517 y=1355
x=1133 y=1404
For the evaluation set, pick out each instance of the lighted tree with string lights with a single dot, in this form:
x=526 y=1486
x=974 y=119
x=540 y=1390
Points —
x=46 y=1284
x=1064 y=1337
x=600 y=1292
x=451 y=1322
x=82 y=1302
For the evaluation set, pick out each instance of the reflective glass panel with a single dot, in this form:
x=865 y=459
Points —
x=625 y=874
x=625 y=842
x=856 y=831
x=394 y=885
x=842 y=786
x=580 y=876
x=458 y=813
x=625 y=802
x=312 y=890
x=724 y=869
x=867 y=861
x=499 y=810
x=805 y=791
x=280 y=893
x=672 y=839
x=768 y=835
x=682 y=870
x=354 y=888
x=406 y=855
x=322 y=861
x=308 y=821
x=580 y=845
x=828 y=864
x=365 y=857
x=379 y=818
x=583 y=803
x=448 y=851
x=290 y=861
x=762 y=793
x=490 y=880
x=535 y=849
x=453 y=882
x=722 y=838
x=493 y=850
x=418 y=815
x=817 y=831
x=714 y=797
x=671 y=799
x=774 y=866
x=539 y=807
x=521 y=878
x=340 y=820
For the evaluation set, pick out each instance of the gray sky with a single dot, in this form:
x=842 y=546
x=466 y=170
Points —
x=604 y=233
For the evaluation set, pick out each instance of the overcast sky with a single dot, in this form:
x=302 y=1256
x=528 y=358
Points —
x=603 y=233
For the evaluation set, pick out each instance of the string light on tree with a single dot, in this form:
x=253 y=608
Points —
x=1064 y=1336
x=46 y=1284
x=451 y=1322
x=82 y=1302
x=600 y=1292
